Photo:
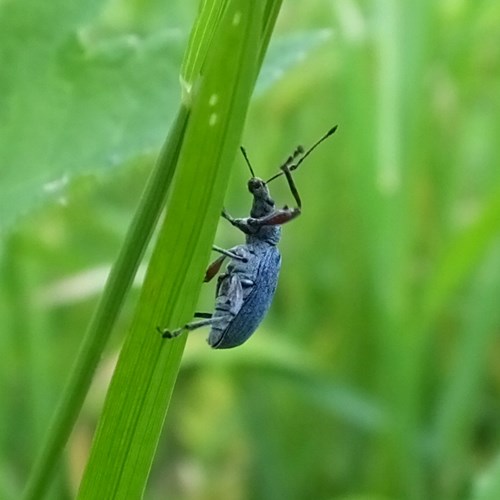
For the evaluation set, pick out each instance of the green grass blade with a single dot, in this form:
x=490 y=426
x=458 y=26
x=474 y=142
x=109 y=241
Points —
x=487 y=485
x=462 y=257
x=456 y=421
x=117 y=286
x=143 y=381
x=199 y=43
x=271 y=12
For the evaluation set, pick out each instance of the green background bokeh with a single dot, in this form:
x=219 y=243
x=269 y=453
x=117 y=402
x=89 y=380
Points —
x=375 y=374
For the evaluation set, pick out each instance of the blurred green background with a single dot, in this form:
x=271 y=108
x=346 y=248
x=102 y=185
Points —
x=376 y=374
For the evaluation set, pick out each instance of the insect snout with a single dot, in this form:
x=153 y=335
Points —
x=255 y=184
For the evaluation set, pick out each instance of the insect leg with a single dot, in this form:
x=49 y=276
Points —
x=241 y=224
x=226 y=216
x=276 y=218
x=214 y=268
x=203 y=315
x=228 y=253
x=188 y=327
x=291 y=183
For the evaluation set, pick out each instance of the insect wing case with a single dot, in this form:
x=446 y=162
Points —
x=244 y=296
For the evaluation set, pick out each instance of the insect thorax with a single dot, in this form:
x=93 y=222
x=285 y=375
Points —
x=265 y=234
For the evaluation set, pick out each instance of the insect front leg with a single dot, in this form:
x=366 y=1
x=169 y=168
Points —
x=241 y=224
x=276 y=218
x=291 y=183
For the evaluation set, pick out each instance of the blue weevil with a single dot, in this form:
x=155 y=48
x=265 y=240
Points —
x=245 y=291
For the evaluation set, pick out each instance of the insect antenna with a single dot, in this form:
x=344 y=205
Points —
x=289 y=166
x=244 y=152
x=313 y=147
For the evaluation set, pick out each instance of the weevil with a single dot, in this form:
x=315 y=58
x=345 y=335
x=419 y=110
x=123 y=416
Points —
x=244 y=292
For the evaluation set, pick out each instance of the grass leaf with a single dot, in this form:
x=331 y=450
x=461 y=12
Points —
x=143 y=381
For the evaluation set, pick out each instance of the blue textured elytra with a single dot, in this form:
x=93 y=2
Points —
x=233 y=326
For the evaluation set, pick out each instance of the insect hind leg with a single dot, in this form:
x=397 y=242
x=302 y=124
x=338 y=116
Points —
x=188 y=327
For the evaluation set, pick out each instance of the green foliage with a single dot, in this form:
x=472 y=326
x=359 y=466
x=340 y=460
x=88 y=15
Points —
x=375 y=375
x=72 y=99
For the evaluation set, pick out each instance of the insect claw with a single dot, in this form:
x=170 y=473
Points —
x=168 y=334
x=171 y=334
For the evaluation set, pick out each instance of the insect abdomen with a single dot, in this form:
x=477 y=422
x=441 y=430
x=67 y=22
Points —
x=234 y=331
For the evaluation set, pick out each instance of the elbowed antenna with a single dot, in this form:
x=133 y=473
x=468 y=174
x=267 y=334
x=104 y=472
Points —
x=244 y=152
x=288 y=167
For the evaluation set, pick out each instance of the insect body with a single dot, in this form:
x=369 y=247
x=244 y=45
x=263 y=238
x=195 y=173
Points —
x=245 y=291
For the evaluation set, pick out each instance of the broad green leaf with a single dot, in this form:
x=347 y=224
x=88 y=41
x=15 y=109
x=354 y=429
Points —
x=84 y=86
